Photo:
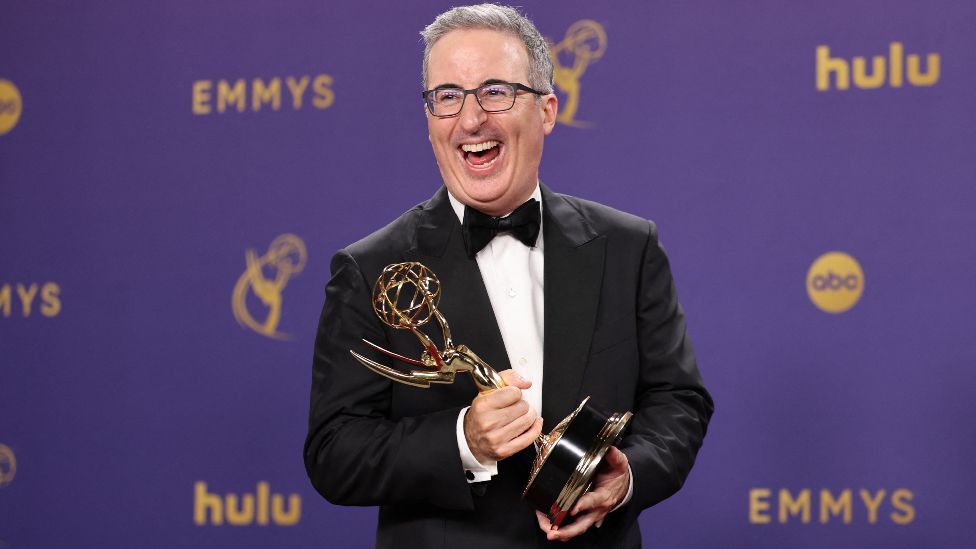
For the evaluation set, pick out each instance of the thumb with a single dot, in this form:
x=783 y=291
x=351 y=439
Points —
x=615 y=459
x=512 y=377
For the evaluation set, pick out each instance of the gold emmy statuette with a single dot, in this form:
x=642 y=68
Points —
x=405 y=298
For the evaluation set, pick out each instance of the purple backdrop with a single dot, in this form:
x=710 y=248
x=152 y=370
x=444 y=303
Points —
x=135 y=403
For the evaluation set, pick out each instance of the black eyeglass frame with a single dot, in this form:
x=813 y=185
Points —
x=516 y=87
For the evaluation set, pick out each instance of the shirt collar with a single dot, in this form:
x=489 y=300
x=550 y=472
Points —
x=459 y=207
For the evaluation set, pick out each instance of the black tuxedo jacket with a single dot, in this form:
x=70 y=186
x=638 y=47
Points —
x=613 y=331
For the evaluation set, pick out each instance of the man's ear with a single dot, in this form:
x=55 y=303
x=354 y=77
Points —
x=550 y=108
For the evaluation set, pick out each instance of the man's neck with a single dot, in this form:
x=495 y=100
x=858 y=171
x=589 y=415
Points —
x=459 y=206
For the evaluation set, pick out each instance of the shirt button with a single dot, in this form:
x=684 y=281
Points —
x=523 y=361
x=511 y=292
x=469 y=474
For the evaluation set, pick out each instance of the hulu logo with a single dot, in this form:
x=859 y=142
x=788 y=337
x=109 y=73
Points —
x=892 y=69
x=261 y=508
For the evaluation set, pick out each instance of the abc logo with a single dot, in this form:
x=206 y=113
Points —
x=10 y=106
x=835 y=282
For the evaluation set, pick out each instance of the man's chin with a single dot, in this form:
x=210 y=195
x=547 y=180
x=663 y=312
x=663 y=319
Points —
x=487 y=196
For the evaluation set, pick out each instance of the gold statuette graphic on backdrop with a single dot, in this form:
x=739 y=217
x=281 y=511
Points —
x=585 y=42
x=11 y=105
x=8 y=465
x=405 y=297
x=266 y=277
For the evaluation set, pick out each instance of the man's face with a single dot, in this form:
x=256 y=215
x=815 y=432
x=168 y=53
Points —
x=498 y=179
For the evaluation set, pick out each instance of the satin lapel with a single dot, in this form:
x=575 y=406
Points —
x=574 y=259
x=464 y=299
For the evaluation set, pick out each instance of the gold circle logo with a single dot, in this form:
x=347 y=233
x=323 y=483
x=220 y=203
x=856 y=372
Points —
x=10 y=106
x=8 y=465
x=835 y=282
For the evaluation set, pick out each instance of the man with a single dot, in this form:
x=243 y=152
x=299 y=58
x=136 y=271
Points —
x=585 y=307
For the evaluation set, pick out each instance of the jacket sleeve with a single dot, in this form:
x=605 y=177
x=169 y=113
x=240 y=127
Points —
x=356 y=453
x=672 y=407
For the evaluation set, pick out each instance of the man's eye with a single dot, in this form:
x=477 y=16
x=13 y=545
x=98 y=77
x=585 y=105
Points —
x=447 y=96
x=496 y=91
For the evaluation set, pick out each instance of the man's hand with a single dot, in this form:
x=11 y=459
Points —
x=609 y=489
x=500 y=423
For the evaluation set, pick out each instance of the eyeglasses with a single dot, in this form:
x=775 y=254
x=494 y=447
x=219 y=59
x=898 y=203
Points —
x=497 y=97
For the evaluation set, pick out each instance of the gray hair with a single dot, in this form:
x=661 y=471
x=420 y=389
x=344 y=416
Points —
x=499 y=18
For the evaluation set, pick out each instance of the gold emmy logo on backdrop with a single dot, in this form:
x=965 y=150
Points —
x=266 y=277
x=584 y=43
x=894 y=69
x=835 y=282
x=256 y=94
x=46 y=297
x=11 y=105
x=830 y=506
x=8 y=465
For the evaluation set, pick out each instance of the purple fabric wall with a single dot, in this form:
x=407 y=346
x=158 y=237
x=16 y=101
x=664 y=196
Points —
x=127 y=210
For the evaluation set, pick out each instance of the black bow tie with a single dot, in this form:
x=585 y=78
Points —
x=478 y=228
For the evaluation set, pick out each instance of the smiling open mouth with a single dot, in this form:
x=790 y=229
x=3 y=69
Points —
x=481 y=154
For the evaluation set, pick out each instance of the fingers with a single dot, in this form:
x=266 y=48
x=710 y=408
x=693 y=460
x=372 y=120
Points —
x=609 y=488
x=598 y=499
x=543 y=521
x=502 y=442
x=499 y=423
x=518 y=425
x=508 y=395
x=512 y=377
x=495 y=413
x=500 y=408
x=614 y=466
x=566 y=532
x=615 y=459
x=524 y=440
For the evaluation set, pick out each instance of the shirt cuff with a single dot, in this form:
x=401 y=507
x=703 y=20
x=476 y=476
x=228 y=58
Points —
x=474 y=470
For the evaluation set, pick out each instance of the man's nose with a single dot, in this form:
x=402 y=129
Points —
x=472 y=115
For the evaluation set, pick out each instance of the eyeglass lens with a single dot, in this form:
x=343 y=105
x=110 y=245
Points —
x=491 y=97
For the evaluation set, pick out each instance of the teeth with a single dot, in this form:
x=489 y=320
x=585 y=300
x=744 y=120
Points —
x=478 y=147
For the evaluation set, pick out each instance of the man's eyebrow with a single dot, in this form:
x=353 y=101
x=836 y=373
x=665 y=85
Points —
x=451 y=85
